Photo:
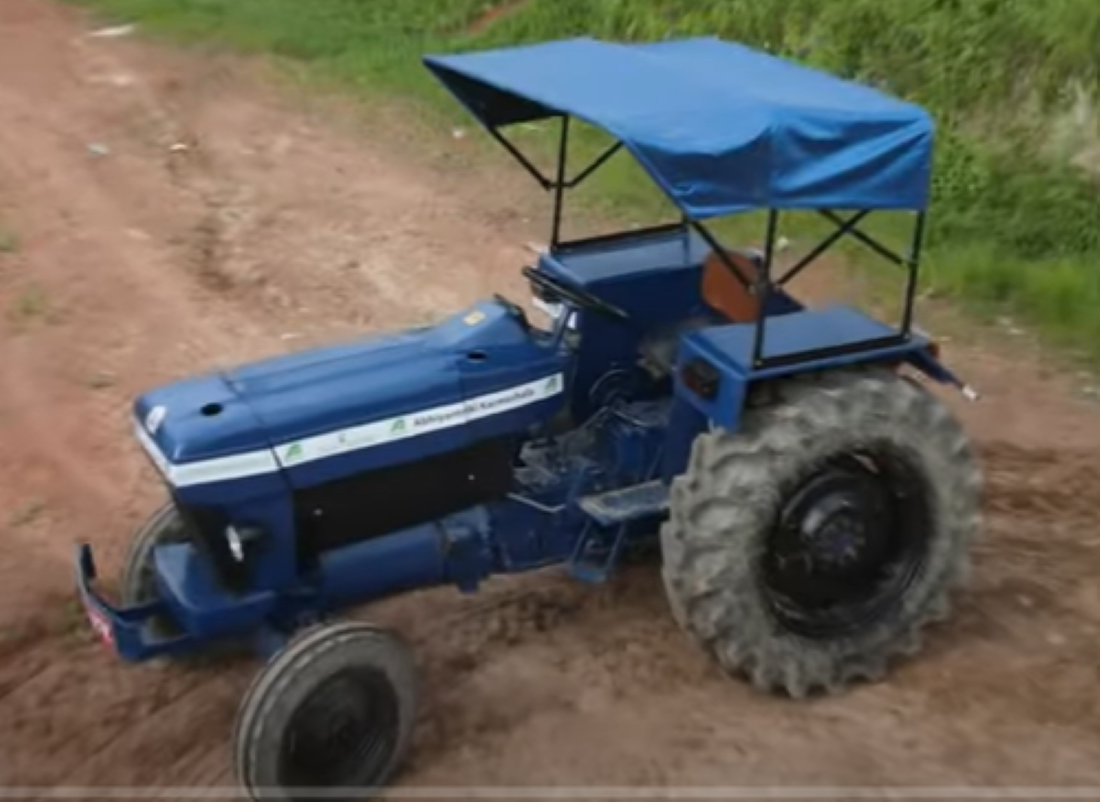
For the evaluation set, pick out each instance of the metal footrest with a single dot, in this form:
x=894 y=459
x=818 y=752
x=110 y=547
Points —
x=622 y=506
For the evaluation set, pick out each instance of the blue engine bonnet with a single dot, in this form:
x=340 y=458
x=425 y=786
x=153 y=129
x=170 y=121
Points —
x=301 y=395
x=306 y=407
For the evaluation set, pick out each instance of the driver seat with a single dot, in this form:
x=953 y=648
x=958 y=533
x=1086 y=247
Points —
x=726 y=300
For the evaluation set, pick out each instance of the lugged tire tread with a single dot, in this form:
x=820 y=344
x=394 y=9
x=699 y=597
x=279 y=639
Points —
x=715 y=531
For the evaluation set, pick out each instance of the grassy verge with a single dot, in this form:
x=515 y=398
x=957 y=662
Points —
x=1015 y=230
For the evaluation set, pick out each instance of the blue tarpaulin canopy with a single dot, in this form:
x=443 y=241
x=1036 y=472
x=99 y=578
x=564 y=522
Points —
x=721 y=128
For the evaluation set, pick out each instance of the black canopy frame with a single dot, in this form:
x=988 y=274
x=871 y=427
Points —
x=763 y=285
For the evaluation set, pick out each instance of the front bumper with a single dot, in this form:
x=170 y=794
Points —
x=191 y=597
x=123 y=630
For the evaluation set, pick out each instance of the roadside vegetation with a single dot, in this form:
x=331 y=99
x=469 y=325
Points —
x=1014 y=86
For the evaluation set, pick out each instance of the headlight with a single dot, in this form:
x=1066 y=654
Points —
x=236 y=545
x=239 y=538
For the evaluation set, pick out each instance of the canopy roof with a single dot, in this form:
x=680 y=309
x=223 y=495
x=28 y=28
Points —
x=720 y=128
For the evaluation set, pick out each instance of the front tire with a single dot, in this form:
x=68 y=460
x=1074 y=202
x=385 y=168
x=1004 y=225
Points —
x=811 y=547
x=334 y=711
x=138 y=586
x=139 y=582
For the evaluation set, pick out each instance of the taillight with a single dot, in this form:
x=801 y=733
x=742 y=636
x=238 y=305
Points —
x=702 y=378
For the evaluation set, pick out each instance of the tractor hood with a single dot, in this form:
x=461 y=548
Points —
x=302 y=407
x=198 y=430
x=288 y=398
x=335 y=389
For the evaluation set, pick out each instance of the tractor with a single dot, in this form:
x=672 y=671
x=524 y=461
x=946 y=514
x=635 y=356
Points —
x=813 y=501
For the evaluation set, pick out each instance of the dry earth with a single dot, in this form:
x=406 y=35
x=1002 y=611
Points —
x=125 y=262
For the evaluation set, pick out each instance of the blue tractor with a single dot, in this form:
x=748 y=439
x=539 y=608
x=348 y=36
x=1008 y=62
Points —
x=813 y=502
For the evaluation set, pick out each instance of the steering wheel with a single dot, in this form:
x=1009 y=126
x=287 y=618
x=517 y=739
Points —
x=574 y=295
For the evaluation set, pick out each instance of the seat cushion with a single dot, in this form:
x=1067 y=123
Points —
x=658 y=350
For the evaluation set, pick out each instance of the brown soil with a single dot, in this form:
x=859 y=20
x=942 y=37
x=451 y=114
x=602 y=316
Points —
x=275 y=226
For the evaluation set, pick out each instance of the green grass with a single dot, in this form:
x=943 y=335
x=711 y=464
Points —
x=27 y=514
x=30 y=305
x=1012 y=84
x=9 y=240
x=100 y=380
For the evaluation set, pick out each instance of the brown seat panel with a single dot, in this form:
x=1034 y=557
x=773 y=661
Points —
x=722 y=291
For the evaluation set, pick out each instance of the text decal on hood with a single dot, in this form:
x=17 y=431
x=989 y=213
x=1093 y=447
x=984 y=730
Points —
x=356 y=438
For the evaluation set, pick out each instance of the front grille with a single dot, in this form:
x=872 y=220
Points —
x=207 y=528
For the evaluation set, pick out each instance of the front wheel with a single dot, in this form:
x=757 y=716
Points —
x=813 y=545
x=138 y=585
x=330 y=717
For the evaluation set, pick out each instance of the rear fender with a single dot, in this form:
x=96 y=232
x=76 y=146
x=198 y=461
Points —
x=711 y=394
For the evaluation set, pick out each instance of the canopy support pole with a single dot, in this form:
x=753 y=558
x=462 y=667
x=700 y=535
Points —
x=762 y=287
x=560 y=184
x=518 y=155
x=911 y=261
x=912 y=264
x=594 y=166
x=867 y=240
x=720 y=252
x=847 y=227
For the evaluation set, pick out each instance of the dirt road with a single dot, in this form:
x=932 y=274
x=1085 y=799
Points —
x=161 y=214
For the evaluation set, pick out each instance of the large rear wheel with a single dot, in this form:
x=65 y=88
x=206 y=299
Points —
x=812 y=546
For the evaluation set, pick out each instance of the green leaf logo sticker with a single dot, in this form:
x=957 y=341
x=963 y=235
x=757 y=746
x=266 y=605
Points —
x=552 y=384
x=293 y=452
x=398 y=426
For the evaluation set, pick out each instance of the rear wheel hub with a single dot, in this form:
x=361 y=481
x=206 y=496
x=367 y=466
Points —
x=848 y=542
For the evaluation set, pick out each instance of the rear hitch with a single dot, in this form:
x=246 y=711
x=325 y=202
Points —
x=927 y=361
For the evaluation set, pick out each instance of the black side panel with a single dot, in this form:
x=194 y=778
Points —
x=382 y=501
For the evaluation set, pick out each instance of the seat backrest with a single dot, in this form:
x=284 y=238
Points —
x=722 y=291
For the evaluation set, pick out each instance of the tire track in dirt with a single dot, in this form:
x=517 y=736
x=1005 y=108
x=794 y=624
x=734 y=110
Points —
x=120 y=699
x=167 y=262
x=68 y=467
x=161 y=264
x=189 y=729
x=1043 y=483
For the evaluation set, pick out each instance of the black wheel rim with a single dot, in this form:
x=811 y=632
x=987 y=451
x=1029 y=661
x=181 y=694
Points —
x=343 y=734
x=849 y=541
